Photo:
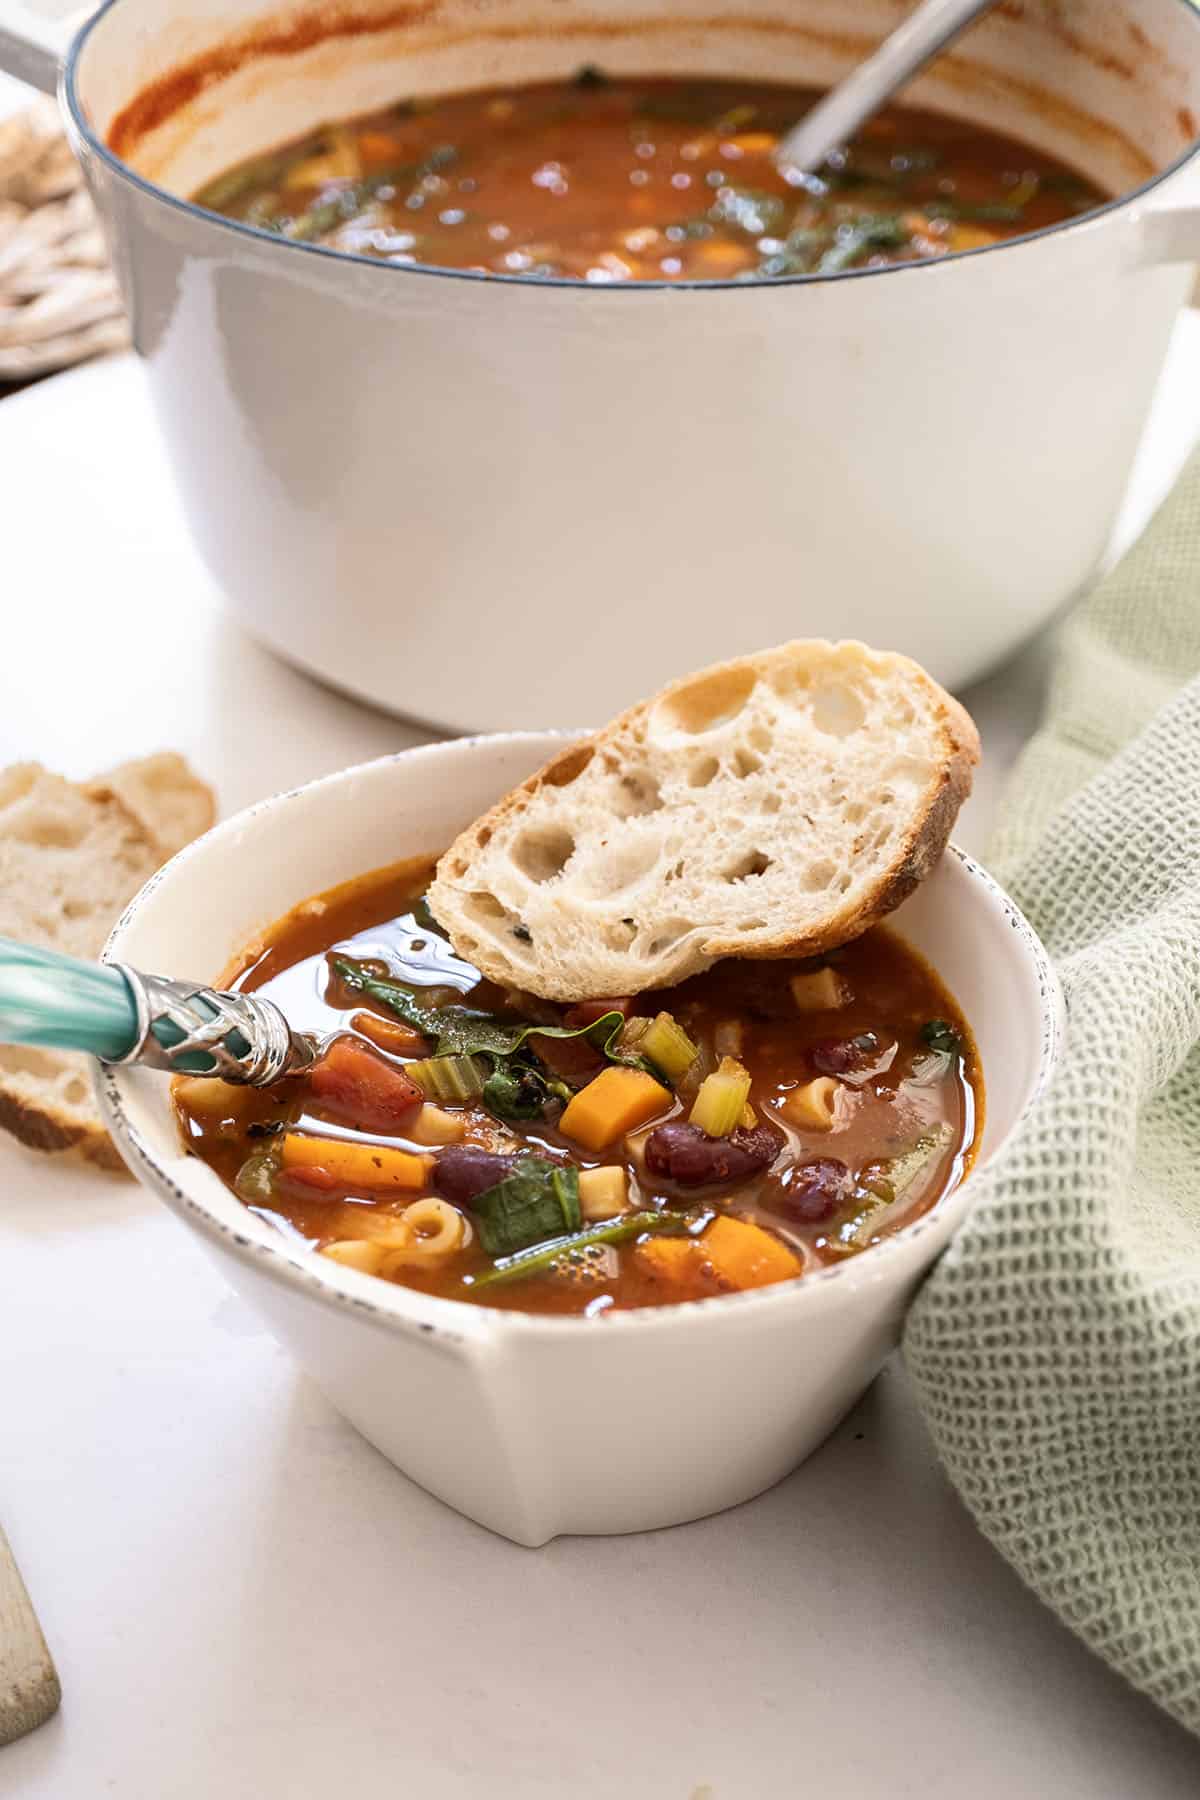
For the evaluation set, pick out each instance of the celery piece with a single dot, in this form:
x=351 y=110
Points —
x=722 y=1099
x=447 y=1078
x=255 y=1180
x=667 y=1045
x=891 y=1185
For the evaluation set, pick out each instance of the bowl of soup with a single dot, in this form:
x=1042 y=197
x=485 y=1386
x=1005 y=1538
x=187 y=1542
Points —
x=605 y=1268
x=486 y=340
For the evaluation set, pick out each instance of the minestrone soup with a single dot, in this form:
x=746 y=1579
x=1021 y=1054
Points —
x=660 y=179
x=758 y=1122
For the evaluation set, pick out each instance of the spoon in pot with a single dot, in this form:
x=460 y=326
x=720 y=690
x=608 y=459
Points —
x=922 y=36
x=112 y=1012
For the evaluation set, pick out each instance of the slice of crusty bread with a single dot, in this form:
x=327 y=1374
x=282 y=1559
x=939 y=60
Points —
x=777 y=805
x=71 y=857
x=162 y=792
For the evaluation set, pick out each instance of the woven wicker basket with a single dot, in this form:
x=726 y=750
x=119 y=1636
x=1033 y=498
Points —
x=58 y=299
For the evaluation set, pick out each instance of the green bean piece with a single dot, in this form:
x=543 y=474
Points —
x=611 y=1231
x=878 y=232
x=798 y=256
x=352 y=199
x=984 y=212
x=342 y=206
x=748 y=210
x=259 y=171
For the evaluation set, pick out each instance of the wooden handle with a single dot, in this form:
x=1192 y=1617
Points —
x=29 y=1690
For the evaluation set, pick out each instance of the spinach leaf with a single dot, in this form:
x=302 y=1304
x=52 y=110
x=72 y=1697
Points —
x=538 y=1200
x=939 y=1034
x=518 y=1090
x=468 y=1031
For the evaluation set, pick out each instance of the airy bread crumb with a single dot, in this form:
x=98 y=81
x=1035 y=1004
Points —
x=776 y=805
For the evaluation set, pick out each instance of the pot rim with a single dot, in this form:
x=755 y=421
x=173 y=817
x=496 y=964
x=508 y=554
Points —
x=69 y=99
x=409 y=1312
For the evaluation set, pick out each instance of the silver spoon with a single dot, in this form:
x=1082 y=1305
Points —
x=923 y=35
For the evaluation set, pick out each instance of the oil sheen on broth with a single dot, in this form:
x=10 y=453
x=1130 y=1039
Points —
x=606 y=180
x=756 y=1123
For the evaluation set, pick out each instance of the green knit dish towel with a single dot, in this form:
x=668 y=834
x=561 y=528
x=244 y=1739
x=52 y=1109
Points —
x=1056 y=1347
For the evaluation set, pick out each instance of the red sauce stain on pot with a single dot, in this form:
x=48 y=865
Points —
x=296 y=33
x=270 y=37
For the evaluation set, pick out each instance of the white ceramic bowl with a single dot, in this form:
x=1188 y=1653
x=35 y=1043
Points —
x=536 y=1426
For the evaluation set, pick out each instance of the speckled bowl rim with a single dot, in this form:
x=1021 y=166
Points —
x=406 y=1311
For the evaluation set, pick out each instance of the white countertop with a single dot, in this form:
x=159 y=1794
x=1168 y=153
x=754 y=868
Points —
x=244 y=1599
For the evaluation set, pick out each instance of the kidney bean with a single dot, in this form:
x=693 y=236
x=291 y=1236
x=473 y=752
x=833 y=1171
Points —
x=463 y=1171
x=843 y=1056
x=683 y=1153
x=814 y=1190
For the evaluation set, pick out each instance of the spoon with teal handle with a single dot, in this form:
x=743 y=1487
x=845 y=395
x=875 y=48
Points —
x=119 y=1015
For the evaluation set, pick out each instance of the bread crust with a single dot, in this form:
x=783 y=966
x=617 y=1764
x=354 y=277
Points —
x=40 y=1128
x=922 y=844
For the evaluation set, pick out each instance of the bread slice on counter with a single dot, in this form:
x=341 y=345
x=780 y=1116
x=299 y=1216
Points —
x=71 y=857
x=776 y=805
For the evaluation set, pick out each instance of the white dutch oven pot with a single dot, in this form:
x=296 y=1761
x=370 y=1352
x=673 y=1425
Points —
x=484 y=500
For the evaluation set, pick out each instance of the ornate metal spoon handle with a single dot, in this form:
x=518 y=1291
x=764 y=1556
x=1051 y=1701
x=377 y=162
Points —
x=247 y=1038
x=123 y=1016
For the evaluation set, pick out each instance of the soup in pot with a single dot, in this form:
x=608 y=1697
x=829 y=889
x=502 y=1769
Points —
x=756 y=1123
x=604 y=180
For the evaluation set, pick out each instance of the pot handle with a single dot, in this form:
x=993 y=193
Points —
x=34 y=39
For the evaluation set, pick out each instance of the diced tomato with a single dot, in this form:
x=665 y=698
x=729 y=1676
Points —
x=323 y=1180
x=588 y=1011
x=572 y=1059
x=379 y=150
x=355 y=1086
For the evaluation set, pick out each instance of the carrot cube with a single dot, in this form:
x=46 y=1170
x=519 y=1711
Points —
x=747 y=1256
x=674 y=1259
x=617 y=1101
x=730 y=1253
